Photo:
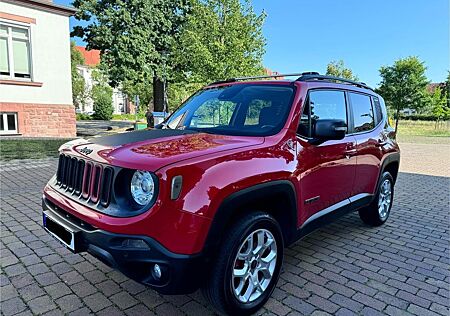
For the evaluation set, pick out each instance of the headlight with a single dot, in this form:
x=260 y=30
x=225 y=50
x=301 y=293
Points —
x=142 y=187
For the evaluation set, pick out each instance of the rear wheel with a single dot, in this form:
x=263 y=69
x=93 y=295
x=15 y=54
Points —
x=378 y=211
x=247 y=266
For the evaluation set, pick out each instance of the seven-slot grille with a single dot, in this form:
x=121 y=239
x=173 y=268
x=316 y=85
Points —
x=85 y=179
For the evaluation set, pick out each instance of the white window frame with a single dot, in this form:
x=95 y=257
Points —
x=10 y=51
x=4 y=117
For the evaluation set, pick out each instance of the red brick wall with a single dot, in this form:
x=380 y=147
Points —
x=43 y=120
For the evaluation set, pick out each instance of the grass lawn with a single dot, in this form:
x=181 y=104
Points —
x=29 y=148
x=423 y=132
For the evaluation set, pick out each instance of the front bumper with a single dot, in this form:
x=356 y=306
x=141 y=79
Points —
x=181 y=274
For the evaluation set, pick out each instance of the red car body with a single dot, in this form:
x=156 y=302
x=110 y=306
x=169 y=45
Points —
x=216 y=167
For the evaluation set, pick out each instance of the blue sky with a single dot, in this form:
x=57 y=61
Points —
x=304 y=35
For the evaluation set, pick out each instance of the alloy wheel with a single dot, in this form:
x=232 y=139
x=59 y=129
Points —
x=254 y=265
x=385 y=199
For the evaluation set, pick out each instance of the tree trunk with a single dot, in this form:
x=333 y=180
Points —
x=397 y=116
x=158 y=94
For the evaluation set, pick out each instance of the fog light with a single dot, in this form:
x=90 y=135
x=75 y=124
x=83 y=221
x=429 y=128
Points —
x=157 y=271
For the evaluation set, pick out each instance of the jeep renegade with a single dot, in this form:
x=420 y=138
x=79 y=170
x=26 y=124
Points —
x=209 y=198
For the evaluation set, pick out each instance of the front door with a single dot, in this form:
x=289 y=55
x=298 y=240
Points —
x=326 y=172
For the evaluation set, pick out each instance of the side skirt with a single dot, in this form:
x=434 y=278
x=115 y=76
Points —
x=332 y=213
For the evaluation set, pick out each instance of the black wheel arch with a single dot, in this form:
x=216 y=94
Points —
x=391 y=164
x=278 y=198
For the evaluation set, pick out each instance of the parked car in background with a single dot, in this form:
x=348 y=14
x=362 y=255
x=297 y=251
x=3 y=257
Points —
x=212 y=196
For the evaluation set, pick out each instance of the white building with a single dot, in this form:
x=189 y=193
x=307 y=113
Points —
x=35 y=78
x=91 y=60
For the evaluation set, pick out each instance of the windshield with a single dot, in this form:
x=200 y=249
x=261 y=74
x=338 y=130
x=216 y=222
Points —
x=243 y=109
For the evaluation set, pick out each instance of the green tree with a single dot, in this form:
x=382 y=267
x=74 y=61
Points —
x=439 y=108
x=403 y=85
x=447 y=89
x=135 y=37
x=101 y=96
x=221 y=39
x=338 y=69
x=79 y=90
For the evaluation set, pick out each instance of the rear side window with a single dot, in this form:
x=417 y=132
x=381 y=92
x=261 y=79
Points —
x=362 y=112
x=322 y=104
x=377 y=110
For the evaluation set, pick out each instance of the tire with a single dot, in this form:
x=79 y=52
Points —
x=377 y=213
x=221 y=286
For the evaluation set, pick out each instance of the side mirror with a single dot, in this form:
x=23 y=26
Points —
x=329 y=130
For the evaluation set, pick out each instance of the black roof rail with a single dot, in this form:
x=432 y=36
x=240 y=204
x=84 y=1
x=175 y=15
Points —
x=317 y=77
x=263 y=77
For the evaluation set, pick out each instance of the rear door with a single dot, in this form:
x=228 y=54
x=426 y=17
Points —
x=326 y=172
x=370 y=137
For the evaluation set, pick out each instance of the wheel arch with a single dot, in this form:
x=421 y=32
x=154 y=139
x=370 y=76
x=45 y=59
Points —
x=391 y=164
x=277 y=198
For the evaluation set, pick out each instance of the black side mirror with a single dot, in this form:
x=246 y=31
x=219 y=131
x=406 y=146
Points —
x=328 y=130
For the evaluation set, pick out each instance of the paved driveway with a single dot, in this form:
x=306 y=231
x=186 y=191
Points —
x=345 y=268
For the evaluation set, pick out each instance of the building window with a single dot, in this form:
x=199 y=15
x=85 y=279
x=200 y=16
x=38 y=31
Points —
x=15 y=58
x=8 y=123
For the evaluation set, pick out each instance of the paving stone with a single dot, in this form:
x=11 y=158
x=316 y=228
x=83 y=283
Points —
x=13 y=306
x=323 y=303
x=97 y=302
x=345 y=268
x=69 y=303
x=299 y=305
x=31 y=291
x=57 y=290
x=141 y=309
x=109 y=287
x=41 y=304
x=83 y=289
x=123 y=300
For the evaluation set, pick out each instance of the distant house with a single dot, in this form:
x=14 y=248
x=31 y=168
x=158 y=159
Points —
x=92 y=59
x=432 y=86
x=35 y=78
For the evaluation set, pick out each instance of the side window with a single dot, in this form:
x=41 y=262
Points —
x=362 y=112
x=322 y=104
x=377 y=109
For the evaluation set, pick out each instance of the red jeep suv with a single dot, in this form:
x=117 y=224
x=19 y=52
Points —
x=210 y=198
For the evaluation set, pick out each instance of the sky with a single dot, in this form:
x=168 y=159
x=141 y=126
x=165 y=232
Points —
x=305 y=35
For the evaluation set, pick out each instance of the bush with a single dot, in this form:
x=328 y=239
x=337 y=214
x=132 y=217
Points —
x=103 y=107
x=419 y=117
x=83 y=117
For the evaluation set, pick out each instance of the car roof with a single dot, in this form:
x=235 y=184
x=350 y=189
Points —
x=308 y=84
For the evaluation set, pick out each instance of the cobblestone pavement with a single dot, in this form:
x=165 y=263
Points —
x=430 y=159
x=345 y=268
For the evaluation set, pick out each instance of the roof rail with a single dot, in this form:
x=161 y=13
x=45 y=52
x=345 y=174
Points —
x=263 y=77
x=317 y=77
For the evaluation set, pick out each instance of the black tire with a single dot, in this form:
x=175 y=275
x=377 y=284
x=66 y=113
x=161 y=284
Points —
x=371 y=215
x=218 y=289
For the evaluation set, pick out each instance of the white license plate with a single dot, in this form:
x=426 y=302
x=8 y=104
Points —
x=60 y=231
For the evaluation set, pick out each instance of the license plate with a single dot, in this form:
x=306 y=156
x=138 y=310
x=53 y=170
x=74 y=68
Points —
x=61 y=232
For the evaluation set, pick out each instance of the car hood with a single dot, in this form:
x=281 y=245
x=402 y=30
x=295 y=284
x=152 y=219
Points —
x=155 y=148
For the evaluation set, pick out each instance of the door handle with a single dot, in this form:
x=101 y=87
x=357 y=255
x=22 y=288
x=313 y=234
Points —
x=381 y=143
x=349 y=153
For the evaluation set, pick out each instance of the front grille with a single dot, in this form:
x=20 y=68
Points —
x=85 y=179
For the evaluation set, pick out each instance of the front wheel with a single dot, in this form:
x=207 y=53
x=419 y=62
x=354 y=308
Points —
x=378 y=211
x=247 y=266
